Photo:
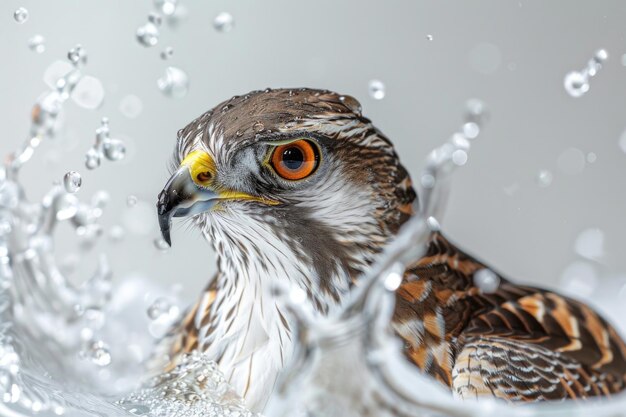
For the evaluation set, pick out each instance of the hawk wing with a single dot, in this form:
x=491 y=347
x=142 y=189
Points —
x=518 y=343
x=528 y=344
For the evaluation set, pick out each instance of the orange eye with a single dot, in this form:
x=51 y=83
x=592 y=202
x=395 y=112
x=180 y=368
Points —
x=296 y=160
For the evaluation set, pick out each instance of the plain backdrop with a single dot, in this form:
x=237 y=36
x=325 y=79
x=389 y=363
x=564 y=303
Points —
x=511 y=54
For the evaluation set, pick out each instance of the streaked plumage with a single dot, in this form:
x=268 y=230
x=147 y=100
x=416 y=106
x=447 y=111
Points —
x=321 y=232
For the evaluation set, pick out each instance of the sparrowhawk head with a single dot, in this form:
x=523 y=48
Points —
x=289 y=174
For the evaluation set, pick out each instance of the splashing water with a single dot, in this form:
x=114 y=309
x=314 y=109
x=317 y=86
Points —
x=577 y=82
x=104 y=147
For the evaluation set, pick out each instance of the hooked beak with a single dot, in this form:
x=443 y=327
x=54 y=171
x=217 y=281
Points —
x=192 y=190
x=187 y=192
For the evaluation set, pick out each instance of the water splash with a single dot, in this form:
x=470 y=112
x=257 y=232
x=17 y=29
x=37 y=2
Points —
x=576 y=83
x=104 y=147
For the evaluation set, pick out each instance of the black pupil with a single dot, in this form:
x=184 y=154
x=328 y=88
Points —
x=293 y=158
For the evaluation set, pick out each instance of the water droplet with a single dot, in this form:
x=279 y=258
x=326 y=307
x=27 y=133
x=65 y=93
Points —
x=72 y=181
x=352 y=104
x=161 y=244
x=37 y=43
x=114 y=149
x=258 y=127
x=576 y=84
x=162 y=307
x=167 y=7
x=393 y=281
x=459 y=157
x=591 y=157
x=622 y=141
x=376 y=89
x=88 y=92
x=174 y=83
x=590 y=244
x=131 y=106
x=624 y=60
x=471 y=130
x=20 y=15
x=427 y=181
x=155 y=19
x=544 y=178
x=571 y=161
x=429 y=37
x=77 y=55
x=223 y=22
x=148 y=34
x=167 y=53
x=433 y=224
x=486 y=280
x=131 y=201
x=99 y=353
x=92 y=159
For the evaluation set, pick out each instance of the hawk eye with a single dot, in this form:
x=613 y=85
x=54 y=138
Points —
x=295 y=160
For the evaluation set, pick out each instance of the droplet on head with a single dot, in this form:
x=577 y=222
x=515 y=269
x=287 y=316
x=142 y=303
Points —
x=72 y=181
x=258 y=126
x=376 y=89
x=223 y=22
x=352 y=104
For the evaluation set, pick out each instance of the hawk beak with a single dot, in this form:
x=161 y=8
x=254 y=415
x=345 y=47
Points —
x=189 y=191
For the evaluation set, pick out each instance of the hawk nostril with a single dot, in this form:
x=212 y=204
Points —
x=204 y=176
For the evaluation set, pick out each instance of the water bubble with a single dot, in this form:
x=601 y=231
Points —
x=20 y=15
x=486 y=280
x=88 y=93
x=544 y=178
x=72 y=181
x=77 y=55
x=98 y=353
x=571 y=161
x=576 y=84
x=131 y=201
x=37 y=43
x=114 y=149
x=131 y=106
x=93 y=159
x=590 y=244
x=161 y=244
x=162 y=307
x=148 y=34
x=429 y=37
x=376 y=89
x=167 y=53
x=175 y=83
x=223 y=22
x=167 y=7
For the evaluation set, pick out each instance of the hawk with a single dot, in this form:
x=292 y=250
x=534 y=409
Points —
x=298 y=187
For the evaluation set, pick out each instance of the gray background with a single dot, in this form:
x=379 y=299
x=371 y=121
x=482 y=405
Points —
x=511 y=54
